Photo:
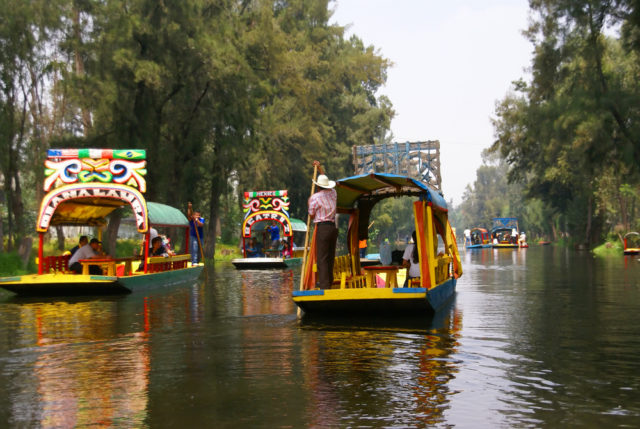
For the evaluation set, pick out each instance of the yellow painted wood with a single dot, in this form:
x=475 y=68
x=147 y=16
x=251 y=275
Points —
x=160 y=259
x=359 y=294
x=60 y=278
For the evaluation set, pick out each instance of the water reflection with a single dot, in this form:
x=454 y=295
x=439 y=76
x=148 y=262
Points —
x=267 y=292
x=545 y=337
x=67 y=370
x=86 y=362
x=383 y=371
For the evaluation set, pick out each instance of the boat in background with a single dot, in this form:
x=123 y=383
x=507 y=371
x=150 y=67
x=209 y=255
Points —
x=502 y=233
x=260 y=209
x=480 y=238
x=357 y=289
x=631 y=243
x=83 y=187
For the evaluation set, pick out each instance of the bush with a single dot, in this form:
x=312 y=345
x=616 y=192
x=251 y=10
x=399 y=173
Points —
x=11 y=265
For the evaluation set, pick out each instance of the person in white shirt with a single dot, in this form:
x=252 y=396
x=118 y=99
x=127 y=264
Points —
x=86 y=252
x=411 y=261
x=523 y=239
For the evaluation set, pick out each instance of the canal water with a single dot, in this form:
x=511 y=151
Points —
x=538 y=337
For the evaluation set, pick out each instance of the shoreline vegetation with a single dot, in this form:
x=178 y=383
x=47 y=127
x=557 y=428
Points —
x=11 y=264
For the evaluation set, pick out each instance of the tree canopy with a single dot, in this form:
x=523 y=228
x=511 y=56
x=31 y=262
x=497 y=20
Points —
x=225 y=96
x=570 y=135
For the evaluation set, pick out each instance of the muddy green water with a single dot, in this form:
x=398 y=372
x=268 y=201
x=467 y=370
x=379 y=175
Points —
x=541 y=337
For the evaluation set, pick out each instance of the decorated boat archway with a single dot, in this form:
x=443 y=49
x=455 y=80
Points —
x=260 y=206
x=84 y=185
x=82 y=188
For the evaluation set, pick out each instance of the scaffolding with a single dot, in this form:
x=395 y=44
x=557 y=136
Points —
x=418 y=160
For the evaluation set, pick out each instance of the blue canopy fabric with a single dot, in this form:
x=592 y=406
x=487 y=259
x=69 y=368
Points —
x=382 y=185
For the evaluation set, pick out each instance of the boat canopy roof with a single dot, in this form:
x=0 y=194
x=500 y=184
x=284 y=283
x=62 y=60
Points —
x=83 y=186
x=164 y=215
x=630 y=234
x=483 y=230
x=502 y=223
x=377 y=186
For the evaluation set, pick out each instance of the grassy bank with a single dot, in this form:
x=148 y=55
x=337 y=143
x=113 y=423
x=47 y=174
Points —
x=609 y=248
x=226 y=252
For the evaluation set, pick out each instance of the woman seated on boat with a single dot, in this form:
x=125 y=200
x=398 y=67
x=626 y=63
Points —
x=251 y=249
x=158 y=249
x=411 y=260
x=91 y=251
x=287 y=247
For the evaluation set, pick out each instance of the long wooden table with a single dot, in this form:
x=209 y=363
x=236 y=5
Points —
x=390 y=270
x=108 y=265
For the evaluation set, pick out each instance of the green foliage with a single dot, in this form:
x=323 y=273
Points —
x=609 y=248
x=224 y=96
x=393 y=219
x=570 y=135
x=11 y=265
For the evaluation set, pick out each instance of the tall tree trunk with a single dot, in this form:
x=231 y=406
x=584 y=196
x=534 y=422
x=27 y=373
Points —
x=1 y=232
x=589 y=218
x=61 y=237
x=79 y=67
x=214 y=208
x=622 y=201
x=112 y=231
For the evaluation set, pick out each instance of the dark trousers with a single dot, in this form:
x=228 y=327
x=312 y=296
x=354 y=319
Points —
x=326 y=237
x=93 y=269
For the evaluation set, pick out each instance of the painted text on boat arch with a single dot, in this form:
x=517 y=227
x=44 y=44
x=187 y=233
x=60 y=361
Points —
x=266 y=216
x=108 y=190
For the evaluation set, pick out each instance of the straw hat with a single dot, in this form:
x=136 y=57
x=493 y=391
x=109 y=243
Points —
x=324 y=182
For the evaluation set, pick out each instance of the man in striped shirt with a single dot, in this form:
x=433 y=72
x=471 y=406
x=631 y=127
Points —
x=322 y=208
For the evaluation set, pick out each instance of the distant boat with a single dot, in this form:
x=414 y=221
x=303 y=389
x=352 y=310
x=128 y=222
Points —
x=480 y=238
x=544 y=243
x=502 y=233
x=261 y=208
x=632 y=243
x=83 y=187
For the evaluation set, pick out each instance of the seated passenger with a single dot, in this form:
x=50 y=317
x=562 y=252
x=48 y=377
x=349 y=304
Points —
x=286 y=248
x=259 y=252
x=91 y=251
x=411 y=261
x=83 y=240
x=157 y=249
x=251 y=250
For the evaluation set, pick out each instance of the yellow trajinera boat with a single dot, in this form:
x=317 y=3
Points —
x=356 y=289
x=83 y=186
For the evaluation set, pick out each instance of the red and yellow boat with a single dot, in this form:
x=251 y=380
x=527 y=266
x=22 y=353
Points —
x=356 y=289
x=84 y=186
